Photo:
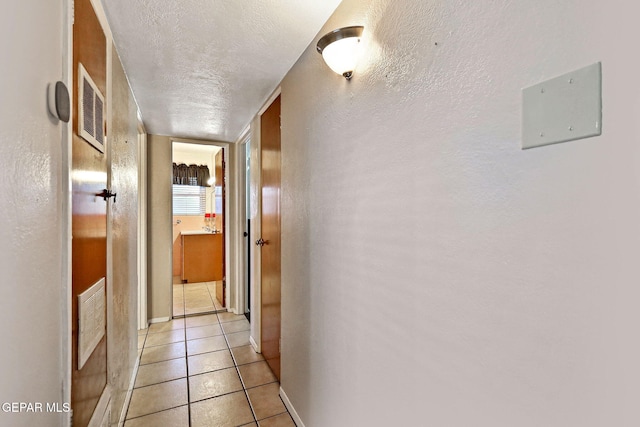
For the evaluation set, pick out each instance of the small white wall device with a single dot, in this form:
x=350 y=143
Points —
x=58 y=101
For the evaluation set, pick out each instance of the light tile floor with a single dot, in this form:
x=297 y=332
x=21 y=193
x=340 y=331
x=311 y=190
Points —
x=201 y=371
x=195 y=298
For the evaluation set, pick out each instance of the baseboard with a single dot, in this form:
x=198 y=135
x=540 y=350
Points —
x=103 y=409
x=159 y=320
x=255 y=346
x=127 y=398
x=292 y=410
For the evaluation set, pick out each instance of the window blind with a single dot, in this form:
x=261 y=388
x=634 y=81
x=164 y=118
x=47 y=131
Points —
x=189 y=200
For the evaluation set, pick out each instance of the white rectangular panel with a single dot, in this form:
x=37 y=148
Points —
x=91 y=320
x=563 y=109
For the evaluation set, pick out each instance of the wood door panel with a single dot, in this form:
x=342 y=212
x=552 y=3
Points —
x=89 y=213
x=270 y=230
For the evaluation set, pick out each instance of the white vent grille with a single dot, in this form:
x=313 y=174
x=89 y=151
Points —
x=90 y=110
x=91 y=320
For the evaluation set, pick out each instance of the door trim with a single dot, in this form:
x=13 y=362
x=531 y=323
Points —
x=143 y=320
x=67 y=138
x=276 y=93
x=239 y=224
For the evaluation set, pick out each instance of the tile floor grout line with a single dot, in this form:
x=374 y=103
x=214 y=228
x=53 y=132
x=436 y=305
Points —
x=234 y=359
x=186 y=361
x=146 y=334
x=235 y=364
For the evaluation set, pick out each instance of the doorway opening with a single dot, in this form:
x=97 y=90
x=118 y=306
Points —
x=199 y=229
x=246 y=215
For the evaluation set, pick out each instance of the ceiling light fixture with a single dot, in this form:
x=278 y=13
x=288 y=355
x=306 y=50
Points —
x=339 y=48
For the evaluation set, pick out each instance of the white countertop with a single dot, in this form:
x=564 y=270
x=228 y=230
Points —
x=196 y=232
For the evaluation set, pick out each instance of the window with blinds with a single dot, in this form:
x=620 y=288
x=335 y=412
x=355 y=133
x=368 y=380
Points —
x=189 y=200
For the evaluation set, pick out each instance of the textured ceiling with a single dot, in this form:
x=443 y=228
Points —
x=202 y=69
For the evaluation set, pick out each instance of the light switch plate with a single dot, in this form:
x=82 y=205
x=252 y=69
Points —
x=563 y=109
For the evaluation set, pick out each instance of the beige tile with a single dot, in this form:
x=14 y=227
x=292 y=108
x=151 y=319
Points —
x=206 y=345
x=158 y=372
x=213 y=384
x=265 y=400
x=282 y=420
x=238 y=339
x=204 y=331
x=200 y=292
x=208 y=362
x=208 y=319
x=209 y=309
x=229 y=410
x=141 y=339
x=163 y=352
x=158 y=397
x=246 y=354
x=176 y=417
x=172 y=325
x=162 y=338
x=236 y=326
x=249 y=425
x=197 y=299
x=143 y=332
x=255 y=374
x=230 y=317
x=198 y=306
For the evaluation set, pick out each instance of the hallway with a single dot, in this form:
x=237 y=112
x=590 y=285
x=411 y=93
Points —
x=435 y=268
x=195 y=298
x=202 y=371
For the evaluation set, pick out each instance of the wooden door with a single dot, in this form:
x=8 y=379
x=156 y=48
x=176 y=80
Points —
x=89 y=214
x=270 y=240
x=221 y=291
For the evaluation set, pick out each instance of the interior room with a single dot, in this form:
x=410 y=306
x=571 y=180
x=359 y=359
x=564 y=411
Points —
x=198 y=229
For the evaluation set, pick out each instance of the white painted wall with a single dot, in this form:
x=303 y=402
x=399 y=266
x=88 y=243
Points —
x=33 y=156
x=159 y=230
x=433 y=272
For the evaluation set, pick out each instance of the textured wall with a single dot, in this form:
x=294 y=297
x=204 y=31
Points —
x=123 y=142
x=159 y=242
x=433 y=272
x=32 y=188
